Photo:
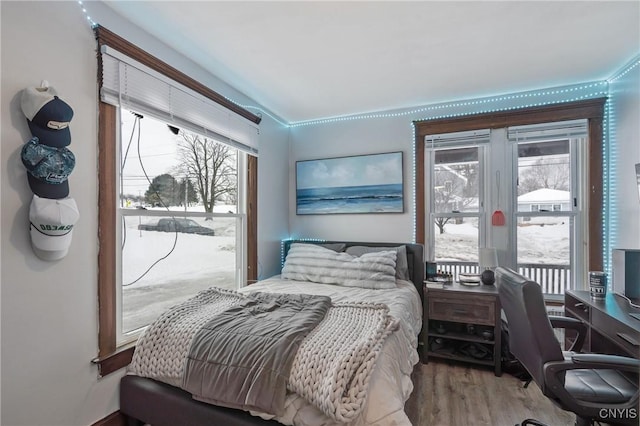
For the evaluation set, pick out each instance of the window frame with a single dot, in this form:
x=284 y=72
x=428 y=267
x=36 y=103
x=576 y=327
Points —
x=590 y=109
x=112 y=357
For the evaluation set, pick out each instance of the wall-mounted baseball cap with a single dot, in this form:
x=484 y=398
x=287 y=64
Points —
x=51 y=226
x=48 y=169
x=48 y=116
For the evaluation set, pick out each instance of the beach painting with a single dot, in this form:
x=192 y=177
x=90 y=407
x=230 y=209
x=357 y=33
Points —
x=358 y=184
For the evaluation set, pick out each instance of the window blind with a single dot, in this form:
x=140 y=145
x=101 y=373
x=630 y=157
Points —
x=131 y=85
x=548 y=131
x=456 y=139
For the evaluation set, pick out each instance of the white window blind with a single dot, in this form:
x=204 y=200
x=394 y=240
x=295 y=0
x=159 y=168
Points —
x=452 y=140
x=548 y=131
x=129 y=84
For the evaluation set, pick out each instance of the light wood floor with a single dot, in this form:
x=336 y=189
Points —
x=457 y=395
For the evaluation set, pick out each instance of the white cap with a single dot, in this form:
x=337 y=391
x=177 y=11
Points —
x=51 y=226
x=34 y=98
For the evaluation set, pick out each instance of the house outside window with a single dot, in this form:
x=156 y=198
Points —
x=543 y=207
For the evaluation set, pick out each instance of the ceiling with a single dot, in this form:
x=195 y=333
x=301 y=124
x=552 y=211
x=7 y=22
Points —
x=306 y=60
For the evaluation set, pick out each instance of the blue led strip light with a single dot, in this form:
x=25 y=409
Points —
x=608 y=214
x=92 y=23
x=478 y=102
x=413 y=193
x=283 y=243
x=634 y=63
x=610 y=193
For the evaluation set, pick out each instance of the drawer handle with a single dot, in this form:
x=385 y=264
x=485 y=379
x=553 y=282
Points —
x=581 y=306
x=628 y=339
x=460 y=312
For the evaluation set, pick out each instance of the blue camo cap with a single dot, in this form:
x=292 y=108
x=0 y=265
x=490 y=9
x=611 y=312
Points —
x=48 y=168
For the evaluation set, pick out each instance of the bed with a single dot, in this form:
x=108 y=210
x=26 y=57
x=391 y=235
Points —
x=388 y=385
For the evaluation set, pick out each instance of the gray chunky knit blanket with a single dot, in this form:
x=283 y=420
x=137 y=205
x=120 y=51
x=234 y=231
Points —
x=331 y=367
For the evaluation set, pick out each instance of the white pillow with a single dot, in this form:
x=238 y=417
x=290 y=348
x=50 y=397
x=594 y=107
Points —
x=402 y=264
x=308 y=262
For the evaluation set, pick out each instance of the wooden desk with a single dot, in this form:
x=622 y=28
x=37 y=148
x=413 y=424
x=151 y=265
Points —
x=610 y=328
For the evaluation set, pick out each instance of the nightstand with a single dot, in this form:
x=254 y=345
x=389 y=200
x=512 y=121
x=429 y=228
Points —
x=462 y=323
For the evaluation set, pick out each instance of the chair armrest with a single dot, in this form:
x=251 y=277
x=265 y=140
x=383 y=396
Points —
x=554 y=381
x=606 y=361
x=565 y=322
x=571 y=324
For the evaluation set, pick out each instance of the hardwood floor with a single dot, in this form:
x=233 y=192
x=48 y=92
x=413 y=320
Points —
x=458 y=395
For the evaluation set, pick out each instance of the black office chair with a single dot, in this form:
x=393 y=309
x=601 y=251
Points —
x=593 y=386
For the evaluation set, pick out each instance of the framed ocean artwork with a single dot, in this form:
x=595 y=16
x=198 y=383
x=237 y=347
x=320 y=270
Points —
x=357 y=184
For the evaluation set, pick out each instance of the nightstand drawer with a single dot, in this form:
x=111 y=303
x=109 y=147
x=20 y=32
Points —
x=475 y=309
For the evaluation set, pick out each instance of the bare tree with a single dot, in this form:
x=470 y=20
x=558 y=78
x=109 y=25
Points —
x=456 y=187
x=552 y=173
x=211 y=166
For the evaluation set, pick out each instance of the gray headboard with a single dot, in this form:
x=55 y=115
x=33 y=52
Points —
x=415 y=256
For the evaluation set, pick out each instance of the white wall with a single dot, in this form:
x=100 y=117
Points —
x=625 y=153
x=347 y=138
x=392 y=130
x=273 y=196
x=49 y=309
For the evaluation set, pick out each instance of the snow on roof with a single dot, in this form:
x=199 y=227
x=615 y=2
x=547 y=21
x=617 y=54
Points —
x=544 y=194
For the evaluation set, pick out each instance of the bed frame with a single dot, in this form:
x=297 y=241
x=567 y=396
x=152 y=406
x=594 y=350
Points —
x=144 y=400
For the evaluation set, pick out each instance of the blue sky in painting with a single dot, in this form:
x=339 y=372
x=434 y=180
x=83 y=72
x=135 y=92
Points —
x=377 y=169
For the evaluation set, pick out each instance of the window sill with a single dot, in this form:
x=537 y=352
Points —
x=115 y=361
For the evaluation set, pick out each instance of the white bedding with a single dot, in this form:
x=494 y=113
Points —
x=390 y=384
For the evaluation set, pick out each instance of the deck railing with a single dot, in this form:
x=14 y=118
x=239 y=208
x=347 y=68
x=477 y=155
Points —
x=553 y=278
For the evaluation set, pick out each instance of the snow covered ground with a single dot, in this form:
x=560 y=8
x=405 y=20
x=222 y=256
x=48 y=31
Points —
x=541 y=242
x=174 y=279
x=161 y=269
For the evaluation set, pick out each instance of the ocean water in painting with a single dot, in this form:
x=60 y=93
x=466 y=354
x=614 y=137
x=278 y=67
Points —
x=350 y=199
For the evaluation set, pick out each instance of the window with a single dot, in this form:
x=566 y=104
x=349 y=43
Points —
x=544 y=235
x=548 y=242
x=455 y=164
x=576 y=217
x=155 y=210
x=181 y=218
